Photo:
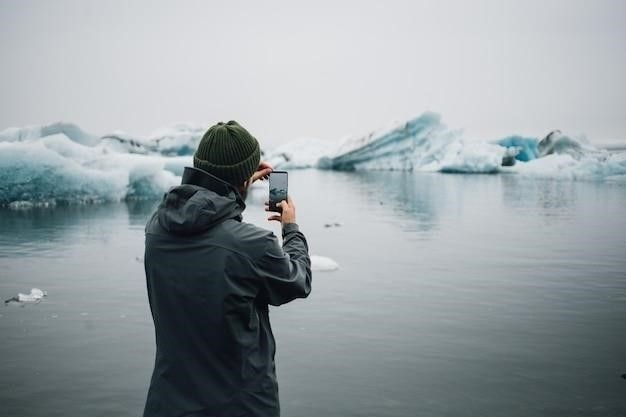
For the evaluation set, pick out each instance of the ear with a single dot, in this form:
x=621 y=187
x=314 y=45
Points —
x=243 y=187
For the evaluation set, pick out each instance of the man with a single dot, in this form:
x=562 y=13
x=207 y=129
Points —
x=210 y=278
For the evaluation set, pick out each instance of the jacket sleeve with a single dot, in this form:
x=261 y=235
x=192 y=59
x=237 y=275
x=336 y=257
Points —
x=286 y=271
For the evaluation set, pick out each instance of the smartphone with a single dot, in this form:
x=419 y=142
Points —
x=278 y=189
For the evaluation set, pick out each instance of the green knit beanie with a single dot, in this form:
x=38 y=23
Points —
x=229 y=152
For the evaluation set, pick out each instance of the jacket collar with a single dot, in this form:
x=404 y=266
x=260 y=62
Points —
x=201 y=178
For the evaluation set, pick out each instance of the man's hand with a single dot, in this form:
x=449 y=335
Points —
x=262 y=172
x=289 y=212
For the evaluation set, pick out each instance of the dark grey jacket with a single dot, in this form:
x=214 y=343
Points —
x=210 y=279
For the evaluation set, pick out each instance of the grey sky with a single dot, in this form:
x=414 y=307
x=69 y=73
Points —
x=289 y=69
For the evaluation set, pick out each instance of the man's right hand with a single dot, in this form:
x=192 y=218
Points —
x=288 y=214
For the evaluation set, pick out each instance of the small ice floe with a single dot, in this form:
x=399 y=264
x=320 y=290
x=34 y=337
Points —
x=323 y=264
x=34 y=297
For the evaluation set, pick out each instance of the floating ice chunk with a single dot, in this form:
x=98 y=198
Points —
x=418 y=144
x=323 y=264
x=34 y=296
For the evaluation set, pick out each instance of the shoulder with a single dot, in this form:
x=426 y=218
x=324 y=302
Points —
x=248 y=238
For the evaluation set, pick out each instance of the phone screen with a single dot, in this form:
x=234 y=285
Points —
x=278 y=189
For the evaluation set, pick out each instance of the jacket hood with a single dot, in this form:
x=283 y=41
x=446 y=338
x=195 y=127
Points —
x=199 y=203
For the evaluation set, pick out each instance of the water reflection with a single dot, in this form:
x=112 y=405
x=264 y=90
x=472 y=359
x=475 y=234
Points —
x=412 y=198
x=42 y=231
x=140 y=210
x=548 y=197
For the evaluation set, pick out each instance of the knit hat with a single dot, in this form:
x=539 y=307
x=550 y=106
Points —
x=229 y=152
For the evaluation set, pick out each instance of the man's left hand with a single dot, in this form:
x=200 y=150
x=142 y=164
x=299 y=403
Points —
x=262 y=172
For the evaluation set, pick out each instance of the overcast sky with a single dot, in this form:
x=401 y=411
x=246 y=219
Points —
x=325 y=69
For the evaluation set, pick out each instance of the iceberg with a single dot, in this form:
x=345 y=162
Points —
x=60 y=163
x=55 y=169
x=425 y=144
x=420 y=144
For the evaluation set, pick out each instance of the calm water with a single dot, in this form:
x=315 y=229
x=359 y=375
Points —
x=456 y=296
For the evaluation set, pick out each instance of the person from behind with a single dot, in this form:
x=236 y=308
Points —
x=210 y=278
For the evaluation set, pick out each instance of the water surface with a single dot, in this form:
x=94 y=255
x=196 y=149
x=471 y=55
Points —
x=457 y=295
